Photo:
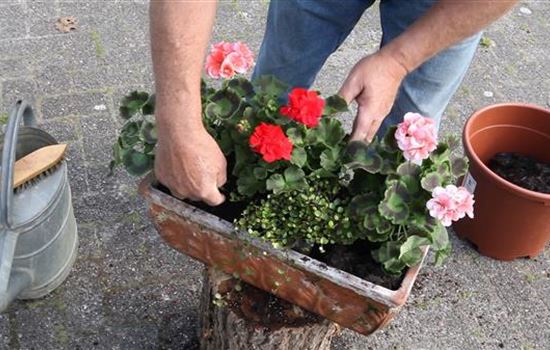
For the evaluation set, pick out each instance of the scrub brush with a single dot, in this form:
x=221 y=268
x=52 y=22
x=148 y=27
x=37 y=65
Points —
x=36 y=165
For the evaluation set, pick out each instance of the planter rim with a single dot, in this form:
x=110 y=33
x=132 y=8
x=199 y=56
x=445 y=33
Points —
x=509 y=186
x=383 y=295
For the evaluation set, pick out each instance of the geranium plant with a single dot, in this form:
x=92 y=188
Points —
x=304 y=184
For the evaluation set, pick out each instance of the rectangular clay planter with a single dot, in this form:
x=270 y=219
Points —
x=334 y=294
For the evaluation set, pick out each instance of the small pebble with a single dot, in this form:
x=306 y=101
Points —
x=525 y=10
x=100 y=107
x=488 y=93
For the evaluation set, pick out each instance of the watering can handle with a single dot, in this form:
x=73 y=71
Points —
x=21 y=109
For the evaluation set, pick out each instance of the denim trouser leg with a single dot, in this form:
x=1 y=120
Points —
x=428 y=89
x=301 y=34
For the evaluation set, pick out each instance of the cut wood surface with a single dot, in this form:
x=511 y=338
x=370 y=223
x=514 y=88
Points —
x=238 y=316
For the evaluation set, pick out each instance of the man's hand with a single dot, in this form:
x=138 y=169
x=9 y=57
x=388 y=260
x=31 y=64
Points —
x=190 y=163
x=373 y=83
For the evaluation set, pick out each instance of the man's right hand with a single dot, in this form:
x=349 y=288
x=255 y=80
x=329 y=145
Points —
x=191 y=164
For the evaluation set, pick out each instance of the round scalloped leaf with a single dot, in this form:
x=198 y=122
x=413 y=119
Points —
x=374 y=236
x=439 y=237
x=329 y=132
x=440 y=154
x=409 y=252
x=330 y=159
x=335 y=104
x=223 y=104
x=137 y=163
x=359 y=156
x=431 y=181
x=459 y=166
x=388 y=142
x=295 y=135
x=149 y=132
x=361 y=204
x=270 y=85
x=388 y=250
x=295 y=178
x=408 y=168
x=132 y=103
x=275 y=183
x=394 y=207
x=452 y=141
x=241 y=86
x=299 y=157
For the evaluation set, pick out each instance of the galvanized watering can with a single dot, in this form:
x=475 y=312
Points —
x=38 y=234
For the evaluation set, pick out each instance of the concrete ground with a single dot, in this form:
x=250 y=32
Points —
x=128 y=290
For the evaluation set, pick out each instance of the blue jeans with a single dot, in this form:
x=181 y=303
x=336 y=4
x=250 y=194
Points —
x=301 y=34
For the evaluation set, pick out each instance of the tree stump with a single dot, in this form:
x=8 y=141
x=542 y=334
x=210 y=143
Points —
x=238 y=316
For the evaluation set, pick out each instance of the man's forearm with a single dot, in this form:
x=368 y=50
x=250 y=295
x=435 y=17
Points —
x=446 y=23
x=180 y=31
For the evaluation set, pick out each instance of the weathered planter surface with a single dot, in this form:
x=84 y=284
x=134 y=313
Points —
x=334 y=294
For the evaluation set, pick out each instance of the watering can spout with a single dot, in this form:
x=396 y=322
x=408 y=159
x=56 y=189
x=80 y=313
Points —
x=11 y=282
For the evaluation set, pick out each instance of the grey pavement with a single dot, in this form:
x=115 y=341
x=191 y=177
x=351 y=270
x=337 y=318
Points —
x=128 y=290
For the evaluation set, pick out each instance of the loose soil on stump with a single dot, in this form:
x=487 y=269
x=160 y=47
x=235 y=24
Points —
x=522 y=170
x=238 y=316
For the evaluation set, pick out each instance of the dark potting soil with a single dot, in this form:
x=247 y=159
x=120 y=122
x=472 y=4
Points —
x=355 y=259
x=522 y=170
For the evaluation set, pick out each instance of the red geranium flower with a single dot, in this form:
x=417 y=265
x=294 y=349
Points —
x=271 y=142
x=304 y=106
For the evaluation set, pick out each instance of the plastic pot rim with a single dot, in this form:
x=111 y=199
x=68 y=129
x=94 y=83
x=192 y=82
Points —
x=486 y=171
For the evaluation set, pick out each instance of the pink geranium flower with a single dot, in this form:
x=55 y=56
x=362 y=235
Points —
x=417 y=137
x=227 y=59
x=450 y=203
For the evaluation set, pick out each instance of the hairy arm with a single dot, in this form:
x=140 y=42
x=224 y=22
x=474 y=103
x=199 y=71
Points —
x=375 y=80
x=188 y=160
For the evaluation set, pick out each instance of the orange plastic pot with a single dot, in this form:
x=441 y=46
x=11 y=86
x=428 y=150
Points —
x=509 y=221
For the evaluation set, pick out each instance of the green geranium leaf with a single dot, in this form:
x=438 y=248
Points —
x=260 y=173
x=360 y=156
x=295 y=135
x=299 y=157
x=431 y=181
x=452 y=141
x=408 y=168
x=388 y=256
x=137 y=163
x=329 y=132
x=270 y=85
x=441 y=154
x=132 y=103
x=459 y=166
x=335 y=104
x=276 y=183
x=440 y=237
x=149 y=131
x=295 y=178
x=149 y=107
x=394 y=207
x=410 y=253
x=247 y=183
x=223 y=105
x=361 y=204
x=388 y=142
x=330 y=159
x=442 y=254
x=241 y=86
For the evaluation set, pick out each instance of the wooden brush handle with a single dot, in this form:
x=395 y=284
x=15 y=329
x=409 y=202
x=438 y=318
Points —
x=37 y=162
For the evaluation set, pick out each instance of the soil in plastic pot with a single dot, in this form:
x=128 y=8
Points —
x=522 y=170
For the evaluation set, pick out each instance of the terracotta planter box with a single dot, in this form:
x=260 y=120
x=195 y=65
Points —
x=334 y=294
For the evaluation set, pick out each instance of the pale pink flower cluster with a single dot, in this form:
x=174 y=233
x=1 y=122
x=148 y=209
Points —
x=227 y=59
x=450 y=203
x=417 y=137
